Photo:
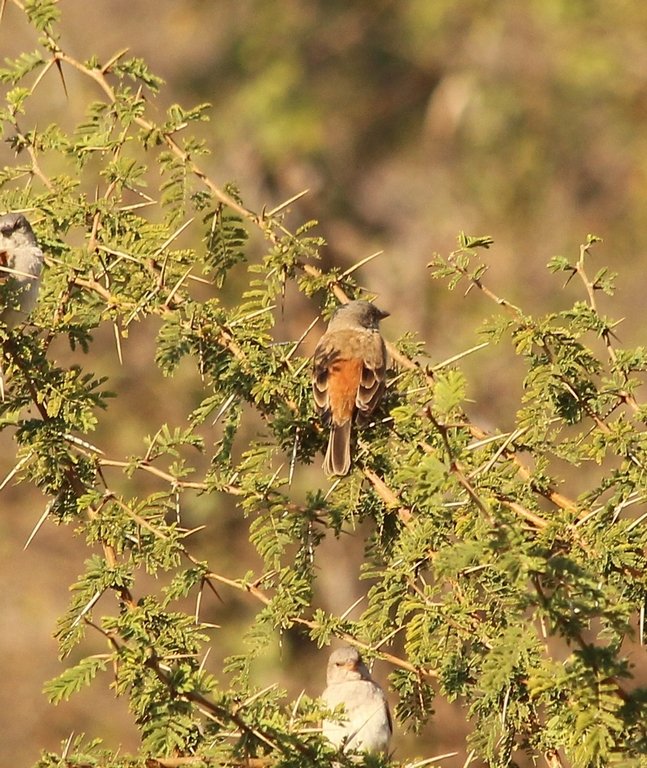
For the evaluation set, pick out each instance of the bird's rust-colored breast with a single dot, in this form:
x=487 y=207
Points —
x=343 y=380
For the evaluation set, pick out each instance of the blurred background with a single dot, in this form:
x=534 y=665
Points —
x=408 y=121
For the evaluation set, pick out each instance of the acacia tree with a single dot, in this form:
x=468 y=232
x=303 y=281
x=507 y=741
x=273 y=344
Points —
x=479 y=559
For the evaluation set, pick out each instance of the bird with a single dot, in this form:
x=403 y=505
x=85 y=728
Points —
x=348 y=378
x=21 y=263
x=366 y=724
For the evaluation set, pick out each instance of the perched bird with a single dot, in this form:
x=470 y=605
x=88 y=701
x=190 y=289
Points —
x=367 y=724
x=349 y=376
x=21 y=262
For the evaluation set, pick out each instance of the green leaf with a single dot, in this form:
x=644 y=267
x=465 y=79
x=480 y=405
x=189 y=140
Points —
x=449 y=392
x=73 y=679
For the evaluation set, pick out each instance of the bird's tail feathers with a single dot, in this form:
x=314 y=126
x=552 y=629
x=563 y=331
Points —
x=337 y=461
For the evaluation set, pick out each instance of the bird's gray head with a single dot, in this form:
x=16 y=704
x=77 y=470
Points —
x=16 y=232
x=357 y=313
x=346 y=664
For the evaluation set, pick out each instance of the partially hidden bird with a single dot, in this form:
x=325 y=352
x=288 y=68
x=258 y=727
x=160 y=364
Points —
x=349 y=376
x=366 y=723
x=21 y=263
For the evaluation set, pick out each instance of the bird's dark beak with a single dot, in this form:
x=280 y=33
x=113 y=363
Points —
x=383 y=313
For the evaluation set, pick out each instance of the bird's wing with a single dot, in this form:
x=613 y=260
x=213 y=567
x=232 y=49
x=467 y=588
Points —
x=388 y=713
x=373 y=379
x=324 y=357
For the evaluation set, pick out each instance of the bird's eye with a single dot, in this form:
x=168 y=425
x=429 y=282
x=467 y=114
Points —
x=8 y=229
